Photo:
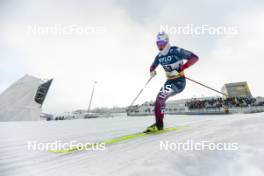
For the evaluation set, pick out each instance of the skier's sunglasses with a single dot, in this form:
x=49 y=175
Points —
x=161 y=43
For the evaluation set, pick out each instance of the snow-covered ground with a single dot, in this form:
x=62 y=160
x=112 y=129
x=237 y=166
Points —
x=141 y=156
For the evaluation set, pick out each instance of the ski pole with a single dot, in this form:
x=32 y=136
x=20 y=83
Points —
x=206 y=86
x=141 y=91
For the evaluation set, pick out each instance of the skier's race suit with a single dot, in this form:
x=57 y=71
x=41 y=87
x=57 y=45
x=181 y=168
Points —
x=172 y=60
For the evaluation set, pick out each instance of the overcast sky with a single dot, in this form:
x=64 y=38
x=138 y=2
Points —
x=118 y=46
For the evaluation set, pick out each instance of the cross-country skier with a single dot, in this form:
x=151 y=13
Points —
x=174 y=60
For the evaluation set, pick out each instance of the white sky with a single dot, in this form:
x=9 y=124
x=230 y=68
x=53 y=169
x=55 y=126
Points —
x=119 y=56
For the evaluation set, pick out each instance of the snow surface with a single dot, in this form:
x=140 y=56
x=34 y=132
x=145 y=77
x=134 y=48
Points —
x=135 y=157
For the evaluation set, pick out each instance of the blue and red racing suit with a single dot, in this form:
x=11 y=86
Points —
x=172 y=60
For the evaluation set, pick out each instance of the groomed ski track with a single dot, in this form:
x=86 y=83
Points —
x=135 y=157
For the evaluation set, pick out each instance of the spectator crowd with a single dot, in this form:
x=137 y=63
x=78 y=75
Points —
x=220 y=102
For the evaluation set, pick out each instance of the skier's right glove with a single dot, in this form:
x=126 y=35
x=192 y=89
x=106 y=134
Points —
x=153 y=73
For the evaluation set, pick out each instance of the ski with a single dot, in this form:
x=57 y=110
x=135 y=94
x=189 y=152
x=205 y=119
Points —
x=116 y=140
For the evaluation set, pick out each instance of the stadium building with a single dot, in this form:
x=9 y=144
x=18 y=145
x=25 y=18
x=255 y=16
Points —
x=22 y=101
x=237 y=89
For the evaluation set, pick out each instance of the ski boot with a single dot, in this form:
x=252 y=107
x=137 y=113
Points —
x=155 y=127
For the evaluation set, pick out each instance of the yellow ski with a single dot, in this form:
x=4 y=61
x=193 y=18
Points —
x=116 y=140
